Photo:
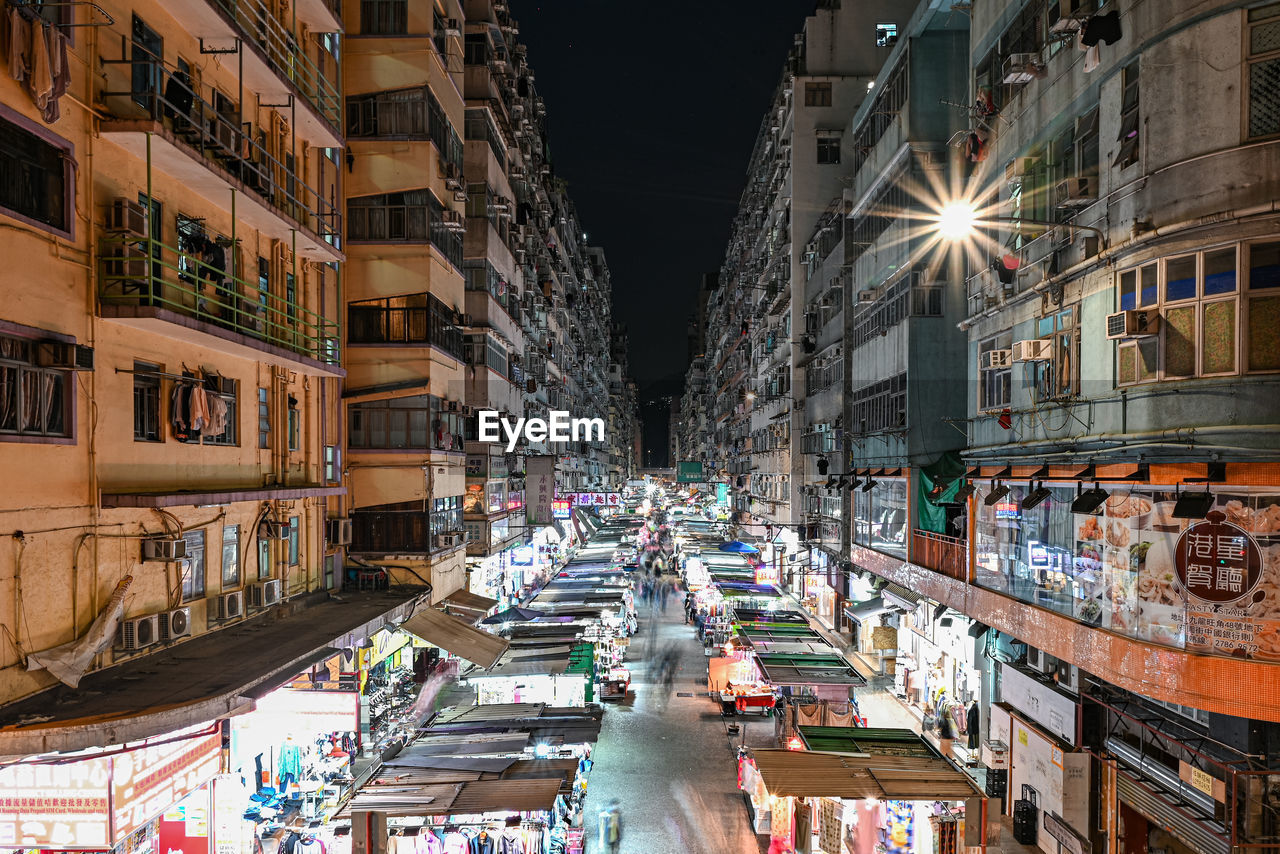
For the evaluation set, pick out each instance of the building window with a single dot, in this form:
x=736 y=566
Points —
x=228 y=392
x=409 y=319
x=384 y=17
x=446 y=515
x=264 y=558
x=828 y=150
x=330 y=570
x=230 y=557
x=1263 y=306
x=193 y=566
x=295 y=544
x=404 y=114
x=994 y=386
x=1129 y=119
x=817 y=94
x=412 y=216
x=332 y=473
x=34 y=401
x=417 y=422
x=264 y=419
x=886 y=35
x=146 y=403
x=35 y=177
x=1197 y=297
x=295 y=425
x=1057 y=377
x=1263 y=70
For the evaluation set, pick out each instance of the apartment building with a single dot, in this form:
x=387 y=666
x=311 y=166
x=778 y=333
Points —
x=1046 y=429
x=404 y=293
x=171 y=206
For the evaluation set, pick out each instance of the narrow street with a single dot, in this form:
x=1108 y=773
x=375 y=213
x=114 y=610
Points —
x=670 y=764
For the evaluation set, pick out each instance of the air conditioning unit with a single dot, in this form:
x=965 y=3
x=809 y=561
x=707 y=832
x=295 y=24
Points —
x=164 y=548
x=125 y=262
x=270 y=529
x=452 y=175
x=1074 y=192
x=228 y=606
x=225 y=134
x=452 y=28
x=1068 y=677
x=453 y=221
x=866 y=296
x=1033 y=350
x=265 y=594
x=62 y=354
x=1038 y=661
x=441 y=541
x=993 y=359
x=139 y=632
x=1019 y=167
x=175 y=624
x=126 y=216
x=338 y=532
x=466 y=320
x=1134 y=323
x=1023 y=68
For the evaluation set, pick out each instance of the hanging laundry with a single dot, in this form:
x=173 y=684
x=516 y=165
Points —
x=1104 y=28
x=19 y=44
x=40 y=82
x=180 y=410
x=217 y=415
x=61 y=73
x=199 y=410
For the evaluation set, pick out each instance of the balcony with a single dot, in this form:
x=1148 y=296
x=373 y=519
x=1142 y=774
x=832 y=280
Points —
x=947 y=555
x=275 y=66
x=170 y=126
x=149 y=285
x=416 y=320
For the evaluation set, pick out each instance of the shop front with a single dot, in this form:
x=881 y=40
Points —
x=105 y=800
x=937 y=667
x=818 y=597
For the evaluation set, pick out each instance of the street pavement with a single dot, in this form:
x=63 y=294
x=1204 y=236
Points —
x=669 y=761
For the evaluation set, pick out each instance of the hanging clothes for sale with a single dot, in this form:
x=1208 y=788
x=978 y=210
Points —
x=310 y=845
x=289 y=764
x=972 y=724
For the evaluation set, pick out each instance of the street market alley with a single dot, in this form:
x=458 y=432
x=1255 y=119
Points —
x=669 y=761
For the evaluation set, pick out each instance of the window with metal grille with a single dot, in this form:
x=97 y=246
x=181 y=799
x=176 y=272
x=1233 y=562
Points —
x=35 y=177
x=412 y=113
x=230 y=557
x=995 y=384
x=410 y=319
x=412 y=216
x=1263 y=71
x=264 y=419
x=33 y=400
x=828 y=150
x=146 y=403
x=880 y=406
x=1058 y=376
x=384 y=17
x=1129 y=119
x=295 y=541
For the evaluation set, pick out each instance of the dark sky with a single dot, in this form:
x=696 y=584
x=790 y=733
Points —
x=653 y=110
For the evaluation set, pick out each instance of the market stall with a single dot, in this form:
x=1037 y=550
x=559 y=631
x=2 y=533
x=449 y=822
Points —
x=867 y=790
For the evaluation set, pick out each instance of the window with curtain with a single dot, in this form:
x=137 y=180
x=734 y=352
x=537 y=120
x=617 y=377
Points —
x=34 y=401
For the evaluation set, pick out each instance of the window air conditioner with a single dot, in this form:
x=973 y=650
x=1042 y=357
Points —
x=452 y=28
x=164 y=548
x=270 y=529
x=1022 y=68
x=1033 y=350
x=1068 y=677
x=1018 y=167
x=1074 y=192
x=228 y=606
x=125 y=262
x=338 y=532
x=993 y=359
x=175 y=624
x=62 y=354
x=866 y=296
x=1072 y=14
x=441 y=541
x=139 y=632
x=1134 y=323
x=265 y=594
x=126 y=216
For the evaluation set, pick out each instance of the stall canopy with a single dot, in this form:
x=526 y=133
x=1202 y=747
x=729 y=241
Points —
x=863 y=611
x=464 y=603
x=811 y=774
x=457 y=636
x=789 y=669
x=513 y=615
x=900 y=597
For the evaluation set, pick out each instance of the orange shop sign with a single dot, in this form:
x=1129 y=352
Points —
x=56 y=806
x=146 y=782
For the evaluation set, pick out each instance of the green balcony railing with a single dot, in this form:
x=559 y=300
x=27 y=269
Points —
x=140 y=272
x=285 y=56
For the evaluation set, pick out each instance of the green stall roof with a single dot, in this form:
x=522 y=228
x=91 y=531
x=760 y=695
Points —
x=876 y=741
x=794 y=669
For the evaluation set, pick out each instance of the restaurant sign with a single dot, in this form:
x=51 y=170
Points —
x=1219 y=565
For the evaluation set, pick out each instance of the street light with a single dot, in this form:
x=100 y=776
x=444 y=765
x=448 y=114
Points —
x=960 y=219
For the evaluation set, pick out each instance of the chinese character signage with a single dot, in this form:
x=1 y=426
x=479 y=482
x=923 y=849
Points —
x=477 y=465
x=595 y=499
x=561 y=508
x=1219 y=566
x=540 y=489
x=690 y=472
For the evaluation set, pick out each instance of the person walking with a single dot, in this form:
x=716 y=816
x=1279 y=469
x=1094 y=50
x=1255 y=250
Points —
x=610 y=828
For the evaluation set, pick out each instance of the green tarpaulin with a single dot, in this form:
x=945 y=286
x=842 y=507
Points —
x=949 y=469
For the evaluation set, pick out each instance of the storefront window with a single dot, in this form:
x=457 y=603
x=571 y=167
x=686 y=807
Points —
x=880 y=517
x=1128 y=566
x=497 y=496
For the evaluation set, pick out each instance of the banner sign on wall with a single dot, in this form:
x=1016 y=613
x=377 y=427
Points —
x=689 y=472
x=540 y=489
x=1056 y=712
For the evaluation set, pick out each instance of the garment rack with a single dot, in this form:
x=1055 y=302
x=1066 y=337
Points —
x=109 y=22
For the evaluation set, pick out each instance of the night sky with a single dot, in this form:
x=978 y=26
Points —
x=653 y=110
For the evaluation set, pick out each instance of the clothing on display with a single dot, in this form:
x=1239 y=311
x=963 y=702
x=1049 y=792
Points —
x=869 y=822
x=973 y=724
x=899 y=827
x=310 y=845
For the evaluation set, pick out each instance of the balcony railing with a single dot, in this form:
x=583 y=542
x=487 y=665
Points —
x=285 y=56
x=149 y=274
x=150 y=91
x=388 y=321
x=947 y=555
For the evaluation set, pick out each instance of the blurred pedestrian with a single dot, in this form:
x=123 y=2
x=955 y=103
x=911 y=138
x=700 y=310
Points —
x=664 y=592
x=611 y=827
x=688 y=608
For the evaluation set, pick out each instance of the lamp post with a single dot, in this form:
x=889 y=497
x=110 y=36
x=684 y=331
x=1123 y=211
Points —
x=960 y=219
